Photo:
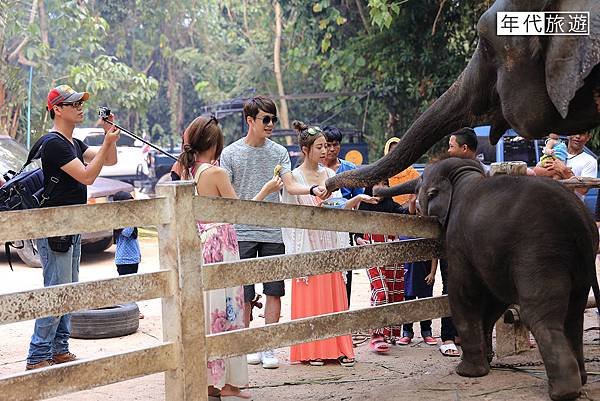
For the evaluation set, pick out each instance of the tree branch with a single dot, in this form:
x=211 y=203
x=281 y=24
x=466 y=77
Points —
x=17 y=53
x=437 y=17
x=362 y=16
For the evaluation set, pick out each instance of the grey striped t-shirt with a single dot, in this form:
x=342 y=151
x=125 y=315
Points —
x=250 y=168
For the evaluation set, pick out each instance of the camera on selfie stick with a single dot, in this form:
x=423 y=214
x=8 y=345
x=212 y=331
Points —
x=104 y=112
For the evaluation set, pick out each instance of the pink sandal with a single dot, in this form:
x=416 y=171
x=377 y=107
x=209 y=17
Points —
x=429 y=340
x=379 y=345
x=404 y=340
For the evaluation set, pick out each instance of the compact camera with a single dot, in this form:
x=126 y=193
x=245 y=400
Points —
x=104 y=112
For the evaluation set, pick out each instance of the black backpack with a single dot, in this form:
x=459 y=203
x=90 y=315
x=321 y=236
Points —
x=25 y=189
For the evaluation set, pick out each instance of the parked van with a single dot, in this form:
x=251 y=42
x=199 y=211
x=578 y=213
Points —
x=131 y=166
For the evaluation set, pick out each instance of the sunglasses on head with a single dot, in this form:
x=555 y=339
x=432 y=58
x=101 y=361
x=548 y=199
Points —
x=312 y=131
x=76 y=105
x=266 y=120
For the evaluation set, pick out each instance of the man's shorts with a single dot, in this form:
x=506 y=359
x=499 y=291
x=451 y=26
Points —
x=251 y=249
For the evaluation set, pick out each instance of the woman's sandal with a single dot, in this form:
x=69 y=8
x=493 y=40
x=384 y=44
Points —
x=346 y=362
x=316 y=362
x=379 y=345
x=449 y=350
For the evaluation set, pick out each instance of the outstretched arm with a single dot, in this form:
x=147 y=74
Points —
x=294 y=188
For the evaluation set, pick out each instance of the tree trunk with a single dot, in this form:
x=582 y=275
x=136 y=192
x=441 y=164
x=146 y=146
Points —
x=3 y=110
x=363 y=18
x=43 y=25
x=283 y=109
x=15 y=122
x=17 y=54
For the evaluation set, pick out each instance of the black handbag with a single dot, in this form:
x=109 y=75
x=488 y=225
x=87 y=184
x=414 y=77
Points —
x=62 y=243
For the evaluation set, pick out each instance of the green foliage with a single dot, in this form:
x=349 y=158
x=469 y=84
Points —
x=156 y=63
x=383 y=12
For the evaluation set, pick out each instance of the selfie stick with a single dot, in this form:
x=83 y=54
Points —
x=139 y=139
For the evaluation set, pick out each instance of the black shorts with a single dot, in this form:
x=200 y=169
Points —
x=251 y=249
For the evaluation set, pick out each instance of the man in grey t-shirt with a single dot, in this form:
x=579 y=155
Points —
x=250 y=162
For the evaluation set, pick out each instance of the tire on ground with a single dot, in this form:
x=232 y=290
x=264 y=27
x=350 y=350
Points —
x=112 y=321
x=29 y=254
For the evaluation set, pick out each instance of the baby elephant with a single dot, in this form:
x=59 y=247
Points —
x=513 y=240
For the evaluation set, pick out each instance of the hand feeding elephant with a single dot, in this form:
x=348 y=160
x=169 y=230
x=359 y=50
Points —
x=513 y=240
x=534 y=84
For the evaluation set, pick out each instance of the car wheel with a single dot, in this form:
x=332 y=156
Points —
x=97 y=246
x=29 y=254
x=112 y=321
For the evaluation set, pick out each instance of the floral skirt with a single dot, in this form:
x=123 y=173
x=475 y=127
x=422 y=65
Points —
x=225 y=306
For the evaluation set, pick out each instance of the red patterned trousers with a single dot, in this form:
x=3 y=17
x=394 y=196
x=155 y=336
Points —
x=387 y=286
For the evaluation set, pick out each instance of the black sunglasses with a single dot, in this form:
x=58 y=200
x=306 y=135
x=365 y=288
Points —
x=267 y=119
x=77 y=104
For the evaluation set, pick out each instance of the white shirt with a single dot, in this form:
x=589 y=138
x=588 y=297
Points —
x=583 y=165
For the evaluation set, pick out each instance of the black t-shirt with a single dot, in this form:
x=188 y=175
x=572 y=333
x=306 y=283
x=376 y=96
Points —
x=56 y=152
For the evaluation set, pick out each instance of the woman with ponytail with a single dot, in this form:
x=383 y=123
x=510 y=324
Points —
x=202 y=146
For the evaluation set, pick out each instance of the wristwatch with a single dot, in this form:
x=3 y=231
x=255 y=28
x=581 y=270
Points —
x=312 y=189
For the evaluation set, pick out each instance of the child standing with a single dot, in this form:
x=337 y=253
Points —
x=387 y=282
x=418 y=283
x=127 y=254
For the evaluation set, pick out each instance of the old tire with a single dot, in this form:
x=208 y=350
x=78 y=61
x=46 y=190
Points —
x=29 y=254
x=112 y=321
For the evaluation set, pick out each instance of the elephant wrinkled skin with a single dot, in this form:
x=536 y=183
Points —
x=533 y=84
x=546 y=266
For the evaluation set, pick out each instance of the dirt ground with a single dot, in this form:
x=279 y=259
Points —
x=416 y=372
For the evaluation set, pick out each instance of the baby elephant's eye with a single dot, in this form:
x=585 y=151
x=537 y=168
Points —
x=432 y=193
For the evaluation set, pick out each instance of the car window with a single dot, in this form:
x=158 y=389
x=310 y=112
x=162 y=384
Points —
x=517 y=148
x=97 y=139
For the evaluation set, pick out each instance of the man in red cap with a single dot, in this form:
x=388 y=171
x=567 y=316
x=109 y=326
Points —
x=68 y=166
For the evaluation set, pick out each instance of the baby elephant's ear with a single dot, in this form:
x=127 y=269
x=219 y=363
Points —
x=439 y=198
x=571 y=58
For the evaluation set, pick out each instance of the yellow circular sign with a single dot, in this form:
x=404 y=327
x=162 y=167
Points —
x=354 y=156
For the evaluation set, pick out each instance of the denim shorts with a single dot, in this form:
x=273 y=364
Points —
x=251 y=249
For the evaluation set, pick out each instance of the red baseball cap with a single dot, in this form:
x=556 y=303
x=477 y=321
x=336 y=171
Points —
x=65 y=94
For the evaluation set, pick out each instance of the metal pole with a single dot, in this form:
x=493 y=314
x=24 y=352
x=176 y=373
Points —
x=29 y=108
x=140 y=139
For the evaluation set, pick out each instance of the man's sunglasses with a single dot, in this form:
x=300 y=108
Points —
x=266 y=120
x=76 y=105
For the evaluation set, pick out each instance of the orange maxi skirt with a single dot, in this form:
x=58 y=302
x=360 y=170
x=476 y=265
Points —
x=325 y=293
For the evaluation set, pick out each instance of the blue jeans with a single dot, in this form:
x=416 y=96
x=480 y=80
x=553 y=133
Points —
x=51 y=334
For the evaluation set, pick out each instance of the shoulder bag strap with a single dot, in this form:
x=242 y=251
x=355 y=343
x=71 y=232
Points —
x=53 y=180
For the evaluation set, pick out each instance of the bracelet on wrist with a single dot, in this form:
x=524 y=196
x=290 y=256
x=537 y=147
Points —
x=312 y=190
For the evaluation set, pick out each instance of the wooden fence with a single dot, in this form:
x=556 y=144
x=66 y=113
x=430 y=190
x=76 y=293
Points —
x=182 y=278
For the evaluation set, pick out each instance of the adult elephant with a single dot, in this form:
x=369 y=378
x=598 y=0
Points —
x=534 y=84
x=546 y=266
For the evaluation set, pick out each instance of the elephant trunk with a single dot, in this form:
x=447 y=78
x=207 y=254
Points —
x=408 y=187
x=468 y=102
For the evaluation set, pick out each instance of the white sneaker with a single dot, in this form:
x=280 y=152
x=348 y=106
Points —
x=254 y=359
x=269 y=360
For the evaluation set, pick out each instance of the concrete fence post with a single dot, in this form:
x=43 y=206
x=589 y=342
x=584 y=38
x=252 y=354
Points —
x=511 y=335
x=183 y=313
